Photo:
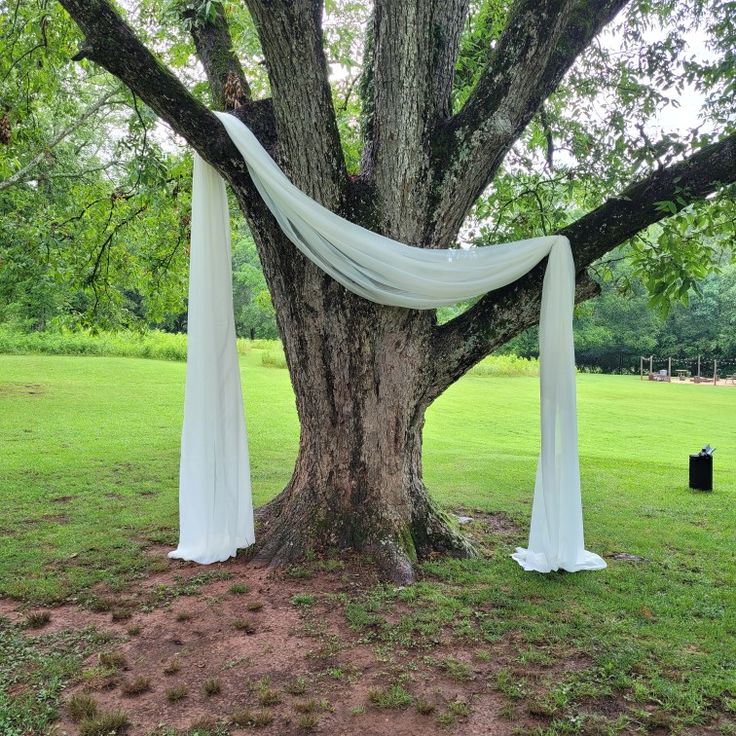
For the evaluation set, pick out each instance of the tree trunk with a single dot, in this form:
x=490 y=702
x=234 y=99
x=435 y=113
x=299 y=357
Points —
x=357 y=481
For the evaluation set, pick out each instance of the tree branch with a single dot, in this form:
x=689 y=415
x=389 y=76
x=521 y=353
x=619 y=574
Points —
x=24 y=173
x=309 y=143
x=406 y=86
x=215 y=50
x=540 y=43
x=229 y=87
x=110 y=42
x=502 y=314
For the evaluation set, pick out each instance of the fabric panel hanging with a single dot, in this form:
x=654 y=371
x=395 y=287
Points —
x=215 y=505
x=392 y=273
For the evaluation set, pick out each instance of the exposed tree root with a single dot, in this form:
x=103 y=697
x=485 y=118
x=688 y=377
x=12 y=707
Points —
x=291 y=526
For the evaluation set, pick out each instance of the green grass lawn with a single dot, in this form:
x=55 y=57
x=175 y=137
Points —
x=88 y=476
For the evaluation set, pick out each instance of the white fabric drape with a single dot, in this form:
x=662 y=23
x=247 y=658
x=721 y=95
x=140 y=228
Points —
x=395 y=274
x=215 y=506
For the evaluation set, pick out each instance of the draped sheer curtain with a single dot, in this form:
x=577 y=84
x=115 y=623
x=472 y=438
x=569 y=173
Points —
x=214 y=495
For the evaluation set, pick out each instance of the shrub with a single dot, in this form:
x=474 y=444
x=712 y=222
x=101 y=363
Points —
x=273 y=359
x=264 y=344
x=506 y=366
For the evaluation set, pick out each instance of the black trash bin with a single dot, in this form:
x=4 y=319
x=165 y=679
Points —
x=701 y=471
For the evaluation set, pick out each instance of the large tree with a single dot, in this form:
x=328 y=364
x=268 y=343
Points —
x=364 y=374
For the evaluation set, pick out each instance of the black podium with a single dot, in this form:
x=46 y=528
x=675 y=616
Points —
x=701 y=472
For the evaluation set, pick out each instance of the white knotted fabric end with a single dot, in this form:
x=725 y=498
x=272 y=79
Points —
x=216 y=514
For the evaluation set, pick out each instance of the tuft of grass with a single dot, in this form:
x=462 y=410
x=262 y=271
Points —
x=247 y=718
x=541 y=708
x=81 y=707
x=212 y=686
x=135 y=687
x=302 y=599
x=100 y=678
x=306 y=706
x=262 y=718
x=134 y=631
x=483 y=655
x=269 y=696
x=297 y=686
x=113 y=661
x=121 y=614
x=175 y=694
x=336 y=673
x=238 y=588
x=299 y=572
x=184 y=616
x=331 y=565
x=254 y=606
x=393 y=697
x=456 y=709
x=456 y=669
x=206 y=726
x=38 y=619
x=100 y=604
x=172 y=667
x=308 y=721
x=113 y=723
x=424 y=707
x=510 y=685
x=245 y=625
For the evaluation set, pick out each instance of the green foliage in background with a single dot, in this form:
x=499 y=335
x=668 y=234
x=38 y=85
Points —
x=151 y=344
x=621 y=319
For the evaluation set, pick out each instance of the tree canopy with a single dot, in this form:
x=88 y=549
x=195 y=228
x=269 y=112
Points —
x=101 y=192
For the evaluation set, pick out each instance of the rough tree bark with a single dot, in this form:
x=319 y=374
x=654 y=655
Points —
x=364 y=374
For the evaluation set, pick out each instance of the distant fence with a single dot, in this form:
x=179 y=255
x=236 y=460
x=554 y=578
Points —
x=636 y=364
x=697 y=368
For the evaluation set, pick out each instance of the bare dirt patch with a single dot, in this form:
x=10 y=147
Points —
x=298 y=666
x=282 y=653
